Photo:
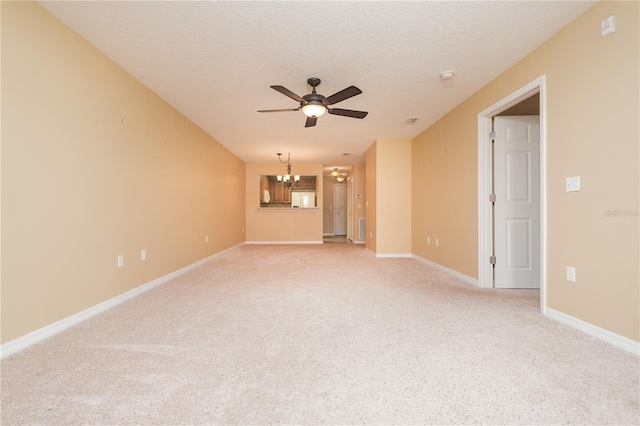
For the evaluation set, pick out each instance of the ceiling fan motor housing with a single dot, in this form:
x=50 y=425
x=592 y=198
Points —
x=313 y=98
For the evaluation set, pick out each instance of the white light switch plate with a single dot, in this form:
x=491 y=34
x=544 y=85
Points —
x=608 y=26
x=573 y=184
x=571 y=274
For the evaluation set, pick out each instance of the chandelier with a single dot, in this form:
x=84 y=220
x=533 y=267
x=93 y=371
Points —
x=288 y=180
x=340 y=177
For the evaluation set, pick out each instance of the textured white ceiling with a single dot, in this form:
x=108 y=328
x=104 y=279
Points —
x=214 y=62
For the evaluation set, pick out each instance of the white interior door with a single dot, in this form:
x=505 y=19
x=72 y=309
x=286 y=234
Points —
x=340 y=210
x=517 y=203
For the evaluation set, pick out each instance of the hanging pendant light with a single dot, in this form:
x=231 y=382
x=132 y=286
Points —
x=340 y=177
x=287 y=178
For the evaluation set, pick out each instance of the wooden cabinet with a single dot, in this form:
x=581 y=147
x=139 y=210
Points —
x=280 y=194
x=286 y=194
x=308 y=182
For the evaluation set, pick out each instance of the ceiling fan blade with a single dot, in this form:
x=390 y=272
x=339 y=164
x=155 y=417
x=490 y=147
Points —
x=347 y=112
x=342 y=95
x=278 y=110
x=311 y=121
x=288 y=93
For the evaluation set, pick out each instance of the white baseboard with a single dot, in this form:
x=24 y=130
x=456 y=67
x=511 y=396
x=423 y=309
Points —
x=43 y=333
x=359 y=242
x=329 y=235
x=594 y=331
x=393 y=254
x=284 y=242
x=456 y=274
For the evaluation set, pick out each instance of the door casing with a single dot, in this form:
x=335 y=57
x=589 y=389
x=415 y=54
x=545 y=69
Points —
x=485 y=222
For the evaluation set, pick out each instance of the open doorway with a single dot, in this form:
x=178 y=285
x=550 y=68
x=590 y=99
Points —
x=534 y=92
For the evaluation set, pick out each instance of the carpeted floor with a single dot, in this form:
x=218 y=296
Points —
x=321 y=334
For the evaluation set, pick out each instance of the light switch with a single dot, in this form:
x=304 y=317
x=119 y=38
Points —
x=573 y=184
x=608 y=27
x=571 y=274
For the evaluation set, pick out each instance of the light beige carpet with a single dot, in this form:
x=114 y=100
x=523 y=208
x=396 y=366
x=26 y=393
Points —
x=321 y=334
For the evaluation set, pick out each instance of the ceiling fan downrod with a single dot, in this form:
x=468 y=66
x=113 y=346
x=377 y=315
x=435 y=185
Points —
x=313 y=82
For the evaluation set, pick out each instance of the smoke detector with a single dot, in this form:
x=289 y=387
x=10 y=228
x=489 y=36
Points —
x=447 y=75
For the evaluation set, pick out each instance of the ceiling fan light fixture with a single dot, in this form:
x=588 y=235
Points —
x=314 y=109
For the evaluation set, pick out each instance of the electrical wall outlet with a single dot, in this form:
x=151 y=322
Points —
x=573 y=184
x=571 y=274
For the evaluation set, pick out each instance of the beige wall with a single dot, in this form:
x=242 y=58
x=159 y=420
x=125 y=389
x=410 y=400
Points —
x=444 y=201
x=277 y=224
x=95 y=165
x=358 y=171
x=592 y=132
x=392 y=187
x=370 y=199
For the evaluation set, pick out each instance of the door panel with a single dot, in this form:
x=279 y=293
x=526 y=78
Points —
x=340 y=201
x=517 y=205
x=518 y=244
x=518 y=175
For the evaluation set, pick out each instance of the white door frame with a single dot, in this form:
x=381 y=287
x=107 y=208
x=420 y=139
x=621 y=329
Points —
x=485 y=221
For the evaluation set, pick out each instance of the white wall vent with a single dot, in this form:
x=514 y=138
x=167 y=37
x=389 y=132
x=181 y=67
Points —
x=361 y=227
